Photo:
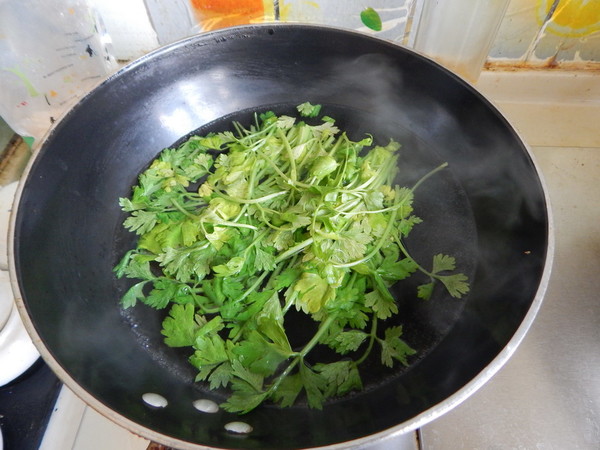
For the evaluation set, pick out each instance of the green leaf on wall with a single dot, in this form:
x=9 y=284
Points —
x=371 y=19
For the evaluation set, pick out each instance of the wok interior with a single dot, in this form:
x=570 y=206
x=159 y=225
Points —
x=487 y=209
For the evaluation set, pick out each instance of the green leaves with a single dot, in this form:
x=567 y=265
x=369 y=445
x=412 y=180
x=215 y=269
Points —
x=456 y=284
x=383 y=305
x=288 y=390
x=308 y=110
x=213 y=352
x=314 y=386
x=179 y=327
x=141 y=221
x=263 y=259
x=443 y=262
x=341 y=377
x=314 y=292
x=425 y=291
x=348 y=341
x=232 y=267
x=322 y=166
x=133 y=294
x=393 y=267
x=244 y=398
x=393 y=348
x=235 y=229
x=185 y=264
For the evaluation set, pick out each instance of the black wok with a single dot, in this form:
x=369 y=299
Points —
x=488 y=209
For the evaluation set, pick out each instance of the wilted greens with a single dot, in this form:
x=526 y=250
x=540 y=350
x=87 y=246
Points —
x=238 y=228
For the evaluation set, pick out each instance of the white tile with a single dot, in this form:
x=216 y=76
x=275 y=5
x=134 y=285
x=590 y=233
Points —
x=65 y=421
x=96 y=432
x=547 y=108
x=555 y=125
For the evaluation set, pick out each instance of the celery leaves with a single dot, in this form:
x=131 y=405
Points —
x=236 y=230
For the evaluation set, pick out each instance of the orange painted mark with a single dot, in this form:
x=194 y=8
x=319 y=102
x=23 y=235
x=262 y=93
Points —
x=53 y=93
x=214 y=14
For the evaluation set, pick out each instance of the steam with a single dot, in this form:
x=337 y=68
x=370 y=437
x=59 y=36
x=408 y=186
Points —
x=496 y=227
x=481 y=147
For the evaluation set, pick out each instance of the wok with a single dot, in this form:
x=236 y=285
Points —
x=488 y=209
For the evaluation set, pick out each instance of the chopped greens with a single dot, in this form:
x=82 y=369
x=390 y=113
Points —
x=238 y=228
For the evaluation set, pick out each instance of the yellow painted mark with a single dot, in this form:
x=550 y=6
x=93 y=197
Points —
x=571 y=18
x=286 y=10
x=28 y=85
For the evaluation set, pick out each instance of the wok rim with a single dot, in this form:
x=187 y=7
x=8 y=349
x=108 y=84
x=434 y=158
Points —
x=421 y=419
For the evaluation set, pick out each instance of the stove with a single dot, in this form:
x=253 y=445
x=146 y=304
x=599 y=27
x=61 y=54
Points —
x=28 y=388
x=546 y=396
x=26 y=405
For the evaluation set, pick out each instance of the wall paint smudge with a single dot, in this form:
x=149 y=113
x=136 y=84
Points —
x=28 y=85
x=215 y=14
x=548 y=34
x=569 y=18
x=365 y=16
x=371 y=19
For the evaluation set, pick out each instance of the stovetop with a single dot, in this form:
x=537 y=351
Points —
x=26 y=405
x=547 y=395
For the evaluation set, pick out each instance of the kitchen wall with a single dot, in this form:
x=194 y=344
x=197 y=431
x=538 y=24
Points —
x=547 y=35
x=533 y=34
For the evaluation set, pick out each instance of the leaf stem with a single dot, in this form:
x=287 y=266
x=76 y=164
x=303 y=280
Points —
x=301 y=355
x=254 y=285
x=405 y=252
x=250 y=201
x=293 y=250
x=429 y=174
x=372 y=336
x=227 y=223
x=279 y=172
x=288 y=150
x=388 y=229
x=182 y=209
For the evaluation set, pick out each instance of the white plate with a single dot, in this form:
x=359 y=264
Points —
x=7 y=195
x=17 y=352
x=7 y=302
